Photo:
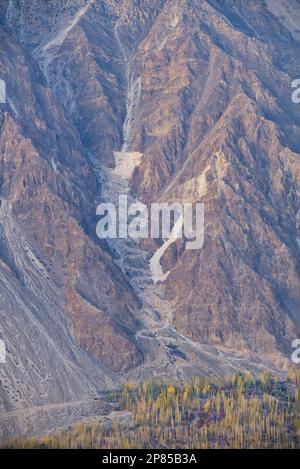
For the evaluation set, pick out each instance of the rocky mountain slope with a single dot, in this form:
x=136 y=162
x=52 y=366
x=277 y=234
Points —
x=181 y=100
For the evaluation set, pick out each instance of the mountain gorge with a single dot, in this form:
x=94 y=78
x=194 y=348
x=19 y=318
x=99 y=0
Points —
x=165 y=101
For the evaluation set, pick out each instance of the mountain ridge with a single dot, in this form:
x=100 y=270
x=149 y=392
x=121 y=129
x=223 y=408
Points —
x=202 y=92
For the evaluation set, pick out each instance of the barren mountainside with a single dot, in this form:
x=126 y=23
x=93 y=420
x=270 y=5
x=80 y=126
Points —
x=182 y=100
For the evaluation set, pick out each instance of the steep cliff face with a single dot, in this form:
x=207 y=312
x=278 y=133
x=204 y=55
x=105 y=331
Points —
x=227 y=134
x=198 y=94
x=57 y=281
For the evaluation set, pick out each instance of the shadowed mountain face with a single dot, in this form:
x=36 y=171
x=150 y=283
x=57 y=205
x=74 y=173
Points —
x=198 y=95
